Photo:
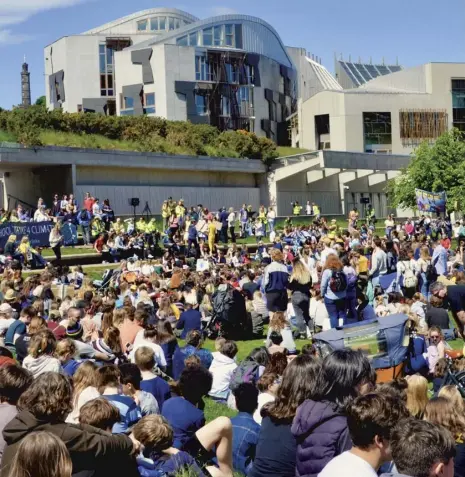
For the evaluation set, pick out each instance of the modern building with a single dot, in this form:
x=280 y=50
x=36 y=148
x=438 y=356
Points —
x=390 y=114
x=231 y=71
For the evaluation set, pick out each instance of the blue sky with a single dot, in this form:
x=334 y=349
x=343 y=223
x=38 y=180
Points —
x=415 y=31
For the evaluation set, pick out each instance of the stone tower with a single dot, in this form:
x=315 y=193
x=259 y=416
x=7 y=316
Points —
x=25 y=85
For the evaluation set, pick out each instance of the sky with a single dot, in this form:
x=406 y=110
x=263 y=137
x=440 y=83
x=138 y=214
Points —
x=414 y=31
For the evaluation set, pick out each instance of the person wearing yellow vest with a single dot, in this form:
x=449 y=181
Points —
x=180 y=210
x=141 y=226
x=117 y=227
x=96 y=227
x=296 y=208
x=151 y=227
x=316 y=210
x=165 y=214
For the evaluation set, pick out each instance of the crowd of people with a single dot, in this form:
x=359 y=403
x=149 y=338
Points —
x=115 y=377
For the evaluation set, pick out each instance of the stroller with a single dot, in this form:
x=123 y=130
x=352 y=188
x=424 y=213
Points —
x=104 y=283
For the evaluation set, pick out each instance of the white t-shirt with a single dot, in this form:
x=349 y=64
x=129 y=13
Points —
x=88 y=394
x=263 y=398
x=348 y=465
x=231 y=219
x=159 y=354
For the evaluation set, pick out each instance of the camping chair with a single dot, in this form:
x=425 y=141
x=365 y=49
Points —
x=105 y=281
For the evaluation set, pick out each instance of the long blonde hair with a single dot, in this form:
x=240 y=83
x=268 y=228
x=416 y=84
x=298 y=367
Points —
x=417 y=395
x=442 y=411
x=453 y=394
x=84 y=377
x=300 y=273
x=41 y=454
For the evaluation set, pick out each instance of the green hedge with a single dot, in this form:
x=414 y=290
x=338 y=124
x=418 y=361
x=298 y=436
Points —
x=142 y=133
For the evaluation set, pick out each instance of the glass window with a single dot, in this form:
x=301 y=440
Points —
x=109 y=56
x=229 y=35
x=128 y=102
x=200 y=68
x=110 y=92
x=193 y=38
x=183 y=41
x=102 y=63
x=207 y=37
x=177 y=23
x=201 y=104
x=170 y=23
x=150 y=99
x=101 y=49
x=103 y=92
x=142 y=25
x=110 y=81
x=162 y=23
x=232 y=73
x=250 y=74
x=154 y=24
x=377 y=131
x=103 y=82
x=217 y=40
x=458 y=104
x=225 y=106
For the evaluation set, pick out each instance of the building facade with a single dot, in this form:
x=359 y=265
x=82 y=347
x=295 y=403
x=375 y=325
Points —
x=230 y=71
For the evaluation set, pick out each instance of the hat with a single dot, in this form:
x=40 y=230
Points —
x=5 y=309
x=74 y=330
x=133 y=287
x=10 y=295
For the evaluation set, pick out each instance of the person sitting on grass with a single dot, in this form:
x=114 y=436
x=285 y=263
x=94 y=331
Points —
x=222 y=369
x=245 y=429
x=276 y=339
x=109 y=385
x=184 y=412
x=99 y=413
x=160 y=457
x=131 y=379
x=151 y=383
x=279 y=323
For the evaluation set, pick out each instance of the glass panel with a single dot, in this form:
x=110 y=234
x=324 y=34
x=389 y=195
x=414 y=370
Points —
x=154 y=24
x=149 y=110
x=201 y=104
x=207 y=37
x=103 y=92
x=127 y=113
x=225 y=106
x=171 y=23
x=102 y=63
x=369 y=339
x=103 y=81
x=193 y=38
x=110 y=92
x=128 y=103
x=162 y=23
x=217 y=35
x=109 y=56
x=150 y=99
x=182 y=41
x=229 y=35
x=101 y=49
x=142 y=25
x=177 y=23
x=110 y=81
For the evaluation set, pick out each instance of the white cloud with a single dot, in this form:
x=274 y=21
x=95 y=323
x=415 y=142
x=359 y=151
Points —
x=9 y=38
x=219 y=10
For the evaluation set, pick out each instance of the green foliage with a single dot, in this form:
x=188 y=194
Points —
x=40 y=101
x=436 y=168
x=137 y=133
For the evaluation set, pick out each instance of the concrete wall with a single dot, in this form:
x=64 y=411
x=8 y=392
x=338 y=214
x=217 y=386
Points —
x=424 y=87
x=211 y=197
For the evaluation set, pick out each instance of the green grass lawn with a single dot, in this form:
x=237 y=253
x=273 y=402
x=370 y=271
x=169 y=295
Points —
x=65 y=251
x=290 y=151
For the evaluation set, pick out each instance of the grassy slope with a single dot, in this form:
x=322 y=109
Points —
x=290 y=151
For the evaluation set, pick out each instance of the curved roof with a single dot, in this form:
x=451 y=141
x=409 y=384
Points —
x=210 y=22
x=143 y=14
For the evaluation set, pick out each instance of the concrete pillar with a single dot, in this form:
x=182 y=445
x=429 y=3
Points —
x=344 y=177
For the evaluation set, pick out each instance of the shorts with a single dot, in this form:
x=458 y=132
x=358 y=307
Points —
x=276 y=301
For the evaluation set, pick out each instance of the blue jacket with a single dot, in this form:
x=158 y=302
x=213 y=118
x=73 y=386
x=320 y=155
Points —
x=188 y=321
x=192 y=233
x=162 y=465
x=85 y=219
x=321 y=432
x=326 y=290
x=181 y=354
x=224 y=218
x=245 y=438
x=276 y=277
x=17 y=327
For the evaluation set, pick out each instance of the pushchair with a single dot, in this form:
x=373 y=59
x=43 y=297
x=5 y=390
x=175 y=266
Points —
x=104 y=283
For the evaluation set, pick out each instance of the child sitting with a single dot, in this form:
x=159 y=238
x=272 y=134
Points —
x=267 y=385
x=276 y=340
x=66 y=350
x=160 y=457
x=222 y=368
x=109 y=385
x=183 y=411
x=380 y=307
x=279 y=323
x=99 y=413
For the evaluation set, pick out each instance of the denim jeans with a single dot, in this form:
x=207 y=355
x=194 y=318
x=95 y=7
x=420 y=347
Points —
x=271 y=224
x=336 y=310
x=351 y=307
x=424 y=288
x=301 y=305
x=86 y=234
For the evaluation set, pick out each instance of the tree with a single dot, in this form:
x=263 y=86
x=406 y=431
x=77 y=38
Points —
x=435 y=168
x=40 y=101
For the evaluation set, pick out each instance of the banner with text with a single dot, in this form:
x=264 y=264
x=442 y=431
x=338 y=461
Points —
x=38 y=232
x=431 y=201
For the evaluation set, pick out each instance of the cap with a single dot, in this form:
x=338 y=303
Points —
x=10 y=295
x=5 y=309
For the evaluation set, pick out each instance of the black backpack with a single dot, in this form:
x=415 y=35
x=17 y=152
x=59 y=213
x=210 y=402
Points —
x=229 y=305
x=83 y=215
x=338 y=281
x=246 y=372
x=431 y=273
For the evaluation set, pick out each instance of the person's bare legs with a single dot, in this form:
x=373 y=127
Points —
x=459 y=318
x=218 y=433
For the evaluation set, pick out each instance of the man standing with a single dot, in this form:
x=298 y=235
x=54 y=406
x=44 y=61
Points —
x=296 y=208
x=88 y=201
x=378 y=263
x=84 y=219
x=224 y=225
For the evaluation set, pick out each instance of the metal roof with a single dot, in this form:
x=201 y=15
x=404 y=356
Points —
x=326 y=79
x=360 y=73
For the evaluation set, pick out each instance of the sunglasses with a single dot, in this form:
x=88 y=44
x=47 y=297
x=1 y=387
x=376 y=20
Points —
x=434 y=337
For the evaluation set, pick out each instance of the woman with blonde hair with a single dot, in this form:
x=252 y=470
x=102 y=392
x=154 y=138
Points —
x=84 y=389
x=279 y=324
x=276 y=278
x=41 y=454
x=41 y=354
x=56 y=238
x=417 y=395
x=453 y=394
x=300 y=283
x=421 y=268
x=22 y=343
x=334 y=290
x=442 y=411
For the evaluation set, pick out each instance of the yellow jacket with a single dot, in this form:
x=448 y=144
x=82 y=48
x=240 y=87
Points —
x=165 y=210
x=180 y=211
x=141 y=226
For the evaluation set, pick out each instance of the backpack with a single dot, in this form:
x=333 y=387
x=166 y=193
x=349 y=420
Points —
x=431 y=273
x=83 y=215
x=229 y=305
x=246 y=372
x=410 y=280
x=351 y=281
x=338 y=282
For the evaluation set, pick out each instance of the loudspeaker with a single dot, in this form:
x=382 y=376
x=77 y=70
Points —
x=364 y=200
x=134 y=202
